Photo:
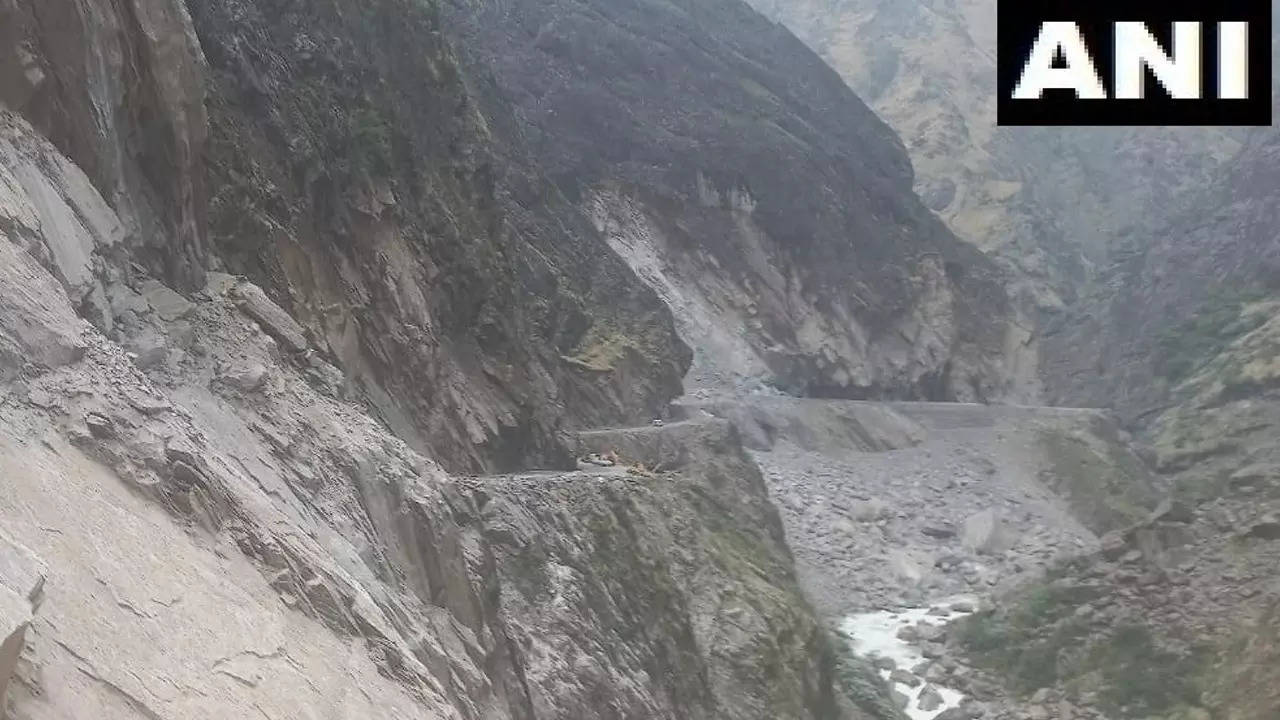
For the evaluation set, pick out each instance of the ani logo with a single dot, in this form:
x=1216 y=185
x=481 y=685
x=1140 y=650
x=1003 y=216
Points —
x=1100 y=62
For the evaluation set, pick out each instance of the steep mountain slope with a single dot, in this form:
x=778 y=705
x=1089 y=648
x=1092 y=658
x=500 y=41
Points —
x=1176 y=617
x=350 y=175
x=1047 y=202
x=1156 y=252
x=740 y=178
x=201 y=526
x=350 y=170
x=1180 y=339
x=270 y=269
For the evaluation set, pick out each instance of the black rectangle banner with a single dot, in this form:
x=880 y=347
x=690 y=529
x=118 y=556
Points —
x=1045 y=48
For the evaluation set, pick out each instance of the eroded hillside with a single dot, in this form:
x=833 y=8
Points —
x=1149 y=257
x=270 y=271
x=1048 y=203
x=761 y=199
x=207 y=527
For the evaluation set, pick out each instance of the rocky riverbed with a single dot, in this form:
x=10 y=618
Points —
x=905 y=646
x=904 y=517
x=956 y=500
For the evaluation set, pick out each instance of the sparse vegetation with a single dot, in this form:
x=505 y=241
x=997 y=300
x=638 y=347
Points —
x=1141 y=678
x=862 y=684
x=1220 y=319
x=1106 y=486
x=1039 y=641
x=371 y=142
x=1024 y=642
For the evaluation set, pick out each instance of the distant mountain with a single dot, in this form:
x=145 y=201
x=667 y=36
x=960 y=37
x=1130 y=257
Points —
x=1044 y=201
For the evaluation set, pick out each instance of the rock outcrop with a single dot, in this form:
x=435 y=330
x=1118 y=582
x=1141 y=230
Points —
x=740 y=178
x=22 y=577
x=1045 y=203
x=269 y=271
x=223 y=547
x=355 y=175
x=362 y=194
x=119 y=87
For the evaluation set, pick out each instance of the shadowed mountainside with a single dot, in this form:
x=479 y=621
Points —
x=739 y=176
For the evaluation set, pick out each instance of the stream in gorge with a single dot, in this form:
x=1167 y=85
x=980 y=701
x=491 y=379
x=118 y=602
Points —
x=879 y=636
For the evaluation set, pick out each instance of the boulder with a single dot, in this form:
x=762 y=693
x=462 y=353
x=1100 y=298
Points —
x=122 y=299
x=930 y=699
x=147 y=347
x=904 y=677
x=868 y=510
x=37 y=325
x=274 y=321
x=245 y=377
x=930 y=632
x=22 y=577
x=15 y=618
x=902 y=700
x=1114 y=545
x=1265 y=528
x=1170 y=510
x=985 y=533
x=904 y=567
x=1252 y=477
x=166 y=303
x=218 y=284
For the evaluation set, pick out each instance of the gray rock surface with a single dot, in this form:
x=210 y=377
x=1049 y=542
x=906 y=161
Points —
x=974 y=498
x=207 y=552
x=767 y=206
x=1049 y=204
x=15 y=618
x=271 y=317
x=22 y=579
x=985 y=533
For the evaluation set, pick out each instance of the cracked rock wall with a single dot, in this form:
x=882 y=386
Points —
x=745 y=183
x=224 y=533
x=269 y=270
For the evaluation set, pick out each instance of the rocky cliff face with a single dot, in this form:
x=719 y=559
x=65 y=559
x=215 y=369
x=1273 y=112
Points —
x=1180 y=337
x=270 y=270
x=352 y=171
x=129 y=113
x=281 y=144
x=1172 y=301
x=1148 y=258
x=1046 y=203
x=205 y=526
x=742 y=180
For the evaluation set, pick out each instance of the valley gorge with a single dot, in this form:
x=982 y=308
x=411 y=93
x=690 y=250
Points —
x=617 y=359
x=1143 y=258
